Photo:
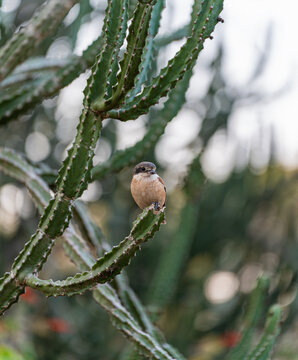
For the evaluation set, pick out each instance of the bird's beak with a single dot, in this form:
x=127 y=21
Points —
x=152 y=172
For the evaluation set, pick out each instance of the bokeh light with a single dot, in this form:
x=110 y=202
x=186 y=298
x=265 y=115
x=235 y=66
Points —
x=221 y=286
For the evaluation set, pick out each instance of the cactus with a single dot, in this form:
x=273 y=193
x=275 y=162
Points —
x=17 y=167
x=262 y=351
x=43 y=23
x=26 y=88
x=115 y=89
x=253 y=315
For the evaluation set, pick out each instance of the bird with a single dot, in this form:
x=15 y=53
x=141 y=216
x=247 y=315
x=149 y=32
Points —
x=147 y=187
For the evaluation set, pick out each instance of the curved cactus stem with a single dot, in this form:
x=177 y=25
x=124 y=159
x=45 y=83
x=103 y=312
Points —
x=131 y=155
x=27 y=71
x=106 y=296
x=265 y=346
x=253 y=315
x=127 y=295
x=72 y=180
x=18 y=168
x=43 y=23
x=185 y=59
x=107 y=267
x=129 y=65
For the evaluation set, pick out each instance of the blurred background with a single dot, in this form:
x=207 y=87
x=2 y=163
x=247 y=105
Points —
x=241 y=114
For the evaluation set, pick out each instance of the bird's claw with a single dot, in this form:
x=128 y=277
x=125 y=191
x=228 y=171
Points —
x=156 y=206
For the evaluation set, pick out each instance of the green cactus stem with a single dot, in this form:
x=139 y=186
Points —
x=44 y=22
x=107 y=267
x=17 y=167
x=25 y=89
x=129 y=65
x=253 y=315
x=133 y=154
x=265 y=346
x=185 y=59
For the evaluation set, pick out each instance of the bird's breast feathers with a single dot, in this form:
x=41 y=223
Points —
x=148 y=188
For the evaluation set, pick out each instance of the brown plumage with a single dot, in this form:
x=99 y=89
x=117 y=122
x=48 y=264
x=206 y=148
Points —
x=147 y=187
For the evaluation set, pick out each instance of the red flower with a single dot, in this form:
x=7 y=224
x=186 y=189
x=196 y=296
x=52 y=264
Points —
x=231 y=338
x=30 y=296
x=59 y=325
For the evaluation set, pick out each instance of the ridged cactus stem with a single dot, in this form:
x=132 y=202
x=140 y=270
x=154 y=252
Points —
x=107 y=267
x=18 y=99
x=142 y=335
x=72 y=180
x=43 y=23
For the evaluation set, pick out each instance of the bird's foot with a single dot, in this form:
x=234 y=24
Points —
x=156 y=206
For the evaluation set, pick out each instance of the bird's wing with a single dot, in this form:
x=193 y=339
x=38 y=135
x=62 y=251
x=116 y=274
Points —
x=161 y=180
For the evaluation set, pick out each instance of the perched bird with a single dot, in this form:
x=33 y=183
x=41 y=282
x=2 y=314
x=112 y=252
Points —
x=147 y=187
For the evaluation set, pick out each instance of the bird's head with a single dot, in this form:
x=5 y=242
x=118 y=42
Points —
x=146 y=168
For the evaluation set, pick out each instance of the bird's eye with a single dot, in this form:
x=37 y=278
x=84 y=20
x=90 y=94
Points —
x=143 y=169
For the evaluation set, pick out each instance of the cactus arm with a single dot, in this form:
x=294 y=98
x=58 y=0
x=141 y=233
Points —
x=127 y=295
x=72 y=180
x=106 y=296
x=185 y=59
x=131 y=155
x=129 y=65
x=43 y=23
x=112 y=76
x=18 y=168
x=28 y=70
x=113 y=31
x=147 y=56
x=253 y=315
x=264 y=348
x=19 y=99
x=107 y=267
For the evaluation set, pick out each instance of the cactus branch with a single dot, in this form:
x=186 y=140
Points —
x=133 y=154
x=130 y=63
x=18 y=168
x=253 y=315
x=107 y=267
x=185 y=59
x=272 y=327
x=147 y=56
x=28 y=88
x=44 y=22
x=113 y=31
